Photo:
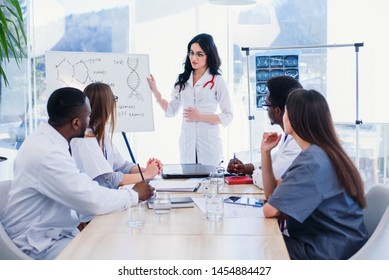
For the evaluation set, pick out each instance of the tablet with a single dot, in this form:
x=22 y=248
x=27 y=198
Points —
x=245 y=200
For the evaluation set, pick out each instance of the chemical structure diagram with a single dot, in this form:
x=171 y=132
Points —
x=69 y=73
x=84 y=72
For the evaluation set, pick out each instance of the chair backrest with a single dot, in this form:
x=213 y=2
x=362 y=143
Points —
x=4 y=189
x=377 y=201
x=8 y=249
x=377 y=247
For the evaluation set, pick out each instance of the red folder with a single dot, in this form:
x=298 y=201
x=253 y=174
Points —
x=238 y=180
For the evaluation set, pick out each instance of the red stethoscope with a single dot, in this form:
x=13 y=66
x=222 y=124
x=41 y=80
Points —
x=211 y=81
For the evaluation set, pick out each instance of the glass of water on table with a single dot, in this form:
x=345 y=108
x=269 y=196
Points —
x=217 y=177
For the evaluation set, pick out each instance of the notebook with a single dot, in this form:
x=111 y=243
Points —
x=187 y=185
x=177 y=202
x=188 y=170
x=238 y=180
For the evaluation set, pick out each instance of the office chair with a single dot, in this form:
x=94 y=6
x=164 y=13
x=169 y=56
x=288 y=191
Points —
x=377 y=199
x=377 y=246
x=376 y=218
x=8 y=249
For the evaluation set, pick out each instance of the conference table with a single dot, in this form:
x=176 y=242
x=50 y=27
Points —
x=183 y=234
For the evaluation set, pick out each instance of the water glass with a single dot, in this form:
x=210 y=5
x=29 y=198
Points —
x=137 y=215
x=209 y=187
x=214 y=206
x=162 y=203
x=218 y=178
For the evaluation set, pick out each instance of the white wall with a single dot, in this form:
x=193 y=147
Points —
x=351 y=21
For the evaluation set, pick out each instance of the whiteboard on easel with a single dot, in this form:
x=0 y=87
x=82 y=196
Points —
x=125 y=73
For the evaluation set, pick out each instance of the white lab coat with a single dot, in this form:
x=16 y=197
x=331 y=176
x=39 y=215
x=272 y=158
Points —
x=200 y=137
x=281 y=160
x=90 y=159
x=49 y=193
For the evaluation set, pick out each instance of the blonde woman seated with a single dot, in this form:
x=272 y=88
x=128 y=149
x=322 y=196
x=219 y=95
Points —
x=96 y=155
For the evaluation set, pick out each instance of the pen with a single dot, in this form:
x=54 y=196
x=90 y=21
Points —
x=235 y=164
x=140 y=171
x=197 y=187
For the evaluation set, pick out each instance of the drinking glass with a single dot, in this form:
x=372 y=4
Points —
x=218 y=178
x=209 y=187
x=214 y=206
x=162 y=203
x=137 y=215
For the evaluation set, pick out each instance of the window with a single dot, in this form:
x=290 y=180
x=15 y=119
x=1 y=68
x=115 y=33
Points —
x=130 y=26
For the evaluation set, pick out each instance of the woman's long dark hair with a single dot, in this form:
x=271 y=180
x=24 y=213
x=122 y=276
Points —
x=310 y=118
x=213 y=60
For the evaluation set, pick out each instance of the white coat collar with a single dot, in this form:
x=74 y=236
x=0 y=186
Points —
x=205 y=78
x=51 y=132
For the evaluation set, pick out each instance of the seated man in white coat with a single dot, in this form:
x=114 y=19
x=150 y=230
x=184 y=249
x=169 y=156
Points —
x=278 y=91
x=49 y=194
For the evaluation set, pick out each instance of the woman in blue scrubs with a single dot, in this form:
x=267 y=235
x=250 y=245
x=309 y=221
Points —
x=321 y=195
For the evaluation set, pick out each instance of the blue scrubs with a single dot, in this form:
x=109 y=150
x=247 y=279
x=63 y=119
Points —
x=323 y=221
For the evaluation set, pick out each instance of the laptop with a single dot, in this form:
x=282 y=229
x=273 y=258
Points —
x=187 y=170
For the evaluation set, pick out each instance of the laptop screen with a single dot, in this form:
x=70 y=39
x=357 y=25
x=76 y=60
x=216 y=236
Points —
x=188 y=170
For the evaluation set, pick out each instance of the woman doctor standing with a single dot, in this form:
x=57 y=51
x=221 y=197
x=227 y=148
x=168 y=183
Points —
x=199 y=90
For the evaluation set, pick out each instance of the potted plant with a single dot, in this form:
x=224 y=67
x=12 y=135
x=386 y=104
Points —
x=12 y=35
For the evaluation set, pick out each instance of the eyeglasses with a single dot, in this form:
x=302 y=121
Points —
x=199 y=55
x=266 y=106
x=116 y=98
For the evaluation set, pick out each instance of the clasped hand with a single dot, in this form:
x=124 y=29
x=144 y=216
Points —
x=153 y=168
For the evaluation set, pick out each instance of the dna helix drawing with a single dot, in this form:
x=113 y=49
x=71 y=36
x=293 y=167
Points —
x=133 y=79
